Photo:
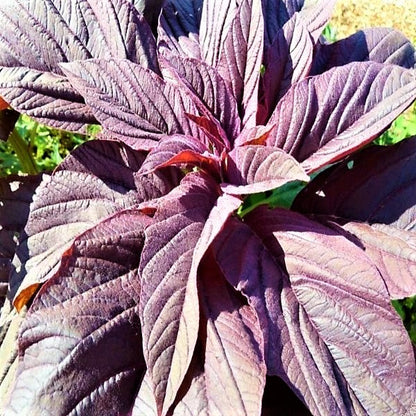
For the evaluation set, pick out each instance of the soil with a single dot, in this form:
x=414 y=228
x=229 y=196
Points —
x=352 y=15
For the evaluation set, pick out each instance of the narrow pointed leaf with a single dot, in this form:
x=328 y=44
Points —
x=241 y=58
x=287 y=60
x=132 y=102
x=211 y=88
x=335 y=113
x=216 y=19
x=31 y=80
x=178 y=223
x=235 y=372
x=169 y=338
x=252 y=169
x=86 y=313
x=382 y=45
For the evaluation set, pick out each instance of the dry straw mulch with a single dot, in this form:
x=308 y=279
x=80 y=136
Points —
x=352 y=15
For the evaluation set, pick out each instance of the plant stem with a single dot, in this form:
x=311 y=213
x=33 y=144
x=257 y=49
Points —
x=26 y=160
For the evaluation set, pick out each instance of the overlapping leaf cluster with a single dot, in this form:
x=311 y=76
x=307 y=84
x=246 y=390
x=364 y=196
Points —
x=135 y=284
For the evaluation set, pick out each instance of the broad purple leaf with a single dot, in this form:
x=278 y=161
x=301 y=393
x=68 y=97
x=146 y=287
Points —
x=258 y=275
x=276 y=14
x=287 y=60
x=382 y=45
x=185 y=224
x=241 y=58
x=333 y=312
x=392 y=250
x=178 y=30
x=45 y=96
x=315 y=15
x=85 y=314
x=72 y=201
x=384 y=194
x=169 y=333
x=323 y=118
x=231 y=374
x=211 y=89
x=216 y=20
x=31 y=80
x=131 y=102
x=252 y=169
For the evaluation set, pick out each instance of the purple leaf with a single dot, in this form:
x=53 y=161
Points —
x=394 y=253
x=383 y=194
x=234 y=368
x=382 y=45
x=183 y=16
x=85 y=314
x=314 y=14
x=133 y=103
x=252 y=169
x=179 y=27
x=287 y=60
x=254 y=135
x=31 y=80
x=241 y=57
x=182 y=151
x=227 y=373
x=145 y=404
x=324 y=118
x=186 y=221
x=168 y=293
x=72 y=201
x=319 y=318
x=216 y=20
x=211 y=89
x=10 y=322
x=45 y=96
